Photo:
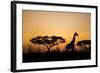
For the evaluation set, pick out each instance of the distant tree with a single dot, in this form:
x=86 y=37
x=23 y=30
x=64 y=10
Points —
x=83 y=44
x=47 y=41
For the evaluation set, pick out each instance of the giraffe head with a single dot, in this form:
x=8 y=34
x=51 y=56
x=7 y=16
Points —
x=76 y=34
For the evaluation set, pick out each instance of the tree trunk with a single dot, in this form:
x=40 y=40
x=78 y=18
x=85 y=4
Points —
x=48 y=49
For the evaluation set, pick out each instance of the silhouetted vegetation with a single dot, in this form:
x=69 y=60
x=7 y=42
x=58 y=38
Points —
x=47 y=41
x=85 y=45
x=88 y=42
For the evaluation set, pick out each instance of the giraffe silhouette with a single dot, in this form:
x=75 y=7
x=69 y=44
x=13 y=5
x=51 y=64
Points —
x=71 y=44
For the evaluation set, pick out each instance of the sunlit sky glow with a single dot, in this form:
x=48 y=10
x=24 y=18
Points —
x=64 y=24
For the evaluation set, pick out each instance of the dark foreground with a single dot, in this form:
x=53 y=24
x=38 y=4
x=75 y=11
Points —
x=55 y=56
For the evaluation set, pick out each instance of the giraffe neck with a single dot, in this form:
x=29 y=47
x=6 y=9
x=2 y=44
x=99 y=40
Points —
x=73 y=40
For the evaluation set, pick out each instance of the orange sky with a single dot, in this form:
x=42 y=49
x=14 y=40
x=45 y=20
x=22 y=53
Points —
x=64 y=24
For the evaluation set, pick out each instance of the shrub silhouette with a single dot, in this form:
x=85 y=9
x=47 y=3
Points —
x=47 y=41
x=83 y=44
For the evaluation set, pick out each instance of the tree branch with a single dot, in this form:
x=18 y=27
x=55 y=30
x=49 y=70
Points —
x=46 y=46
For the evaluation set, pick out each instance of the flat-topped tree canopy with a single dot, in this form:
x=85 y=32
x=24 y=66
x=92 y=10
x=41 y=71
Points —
x=48 y=41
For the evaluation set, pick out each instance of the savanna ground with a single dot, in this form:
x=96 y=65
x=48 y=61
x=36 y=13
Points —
x=56 y=56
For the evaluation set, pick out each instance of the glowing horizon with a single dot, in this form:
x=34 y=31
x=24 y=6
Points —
x=64 y=24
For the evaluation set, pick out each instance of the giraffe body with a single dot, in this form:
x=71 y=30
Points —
x=71 y=45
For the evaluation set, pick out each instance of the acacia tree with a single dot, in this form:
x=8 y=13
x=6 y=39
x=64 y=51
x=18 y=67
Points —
x=47 y=41
x=83 y=44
